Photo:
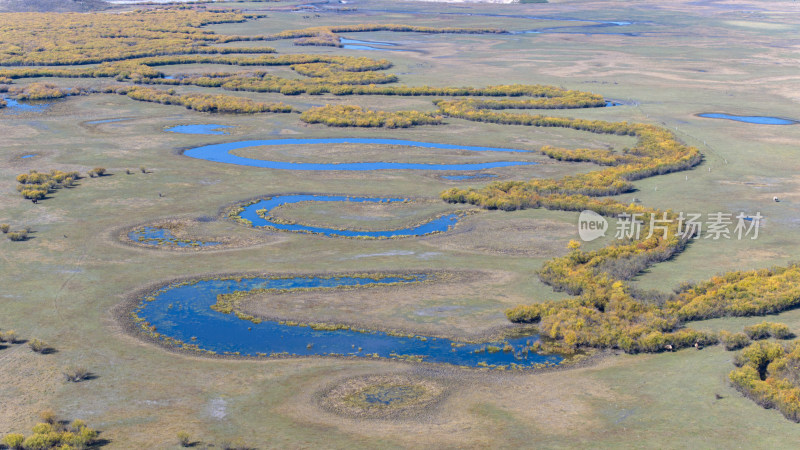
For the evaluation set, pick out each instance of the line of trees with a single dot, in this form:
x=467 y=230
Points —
x=202 y=102
x=327 y=35
x=41 y=91
x=355 y=116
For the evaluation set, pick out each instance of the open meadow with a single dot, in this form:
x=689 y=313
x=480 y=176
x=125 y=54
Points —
x=357 y=251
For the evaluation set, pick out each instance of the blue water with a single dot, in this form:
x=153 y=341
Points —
x=367 y=47
x=593 y=24
x=356 y=41
x=468 y=177
x=199 y=129
x=14 y=104
x=354 y=44
x=94 y=122
x=221 y=153
x=440 y=224
x=761 y=120
x=183 y=312
x=159 y=236
x=27 y=156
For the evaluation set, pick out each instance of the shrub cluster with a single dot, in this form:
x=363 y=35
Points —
x=65 y=39
x=766 y=330
x=769 y=373
x=733 y=341
x=18 y=236
x=9 y=336
x=41 y=91
x=36 y=185
x=203 y=102
x=97 y=172
x=355 y=116
x=39 y=346
x=52 y=433
x=76 y=374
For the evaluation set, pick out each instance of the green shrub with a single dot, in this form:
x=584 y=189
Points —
x=39 y=346
x=9 y=336
x=53 y=434
x=48 y=416
x=768 y=374
x=734 y=341
x=765 y=330
x=4 y=227
x=35 y=185
x=184 y=439
x=18 y=236
x=76 y=374
x=13 y=440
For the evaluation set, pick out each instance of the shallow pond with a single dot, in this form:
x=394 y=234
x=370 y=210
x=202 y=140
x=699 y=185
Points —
x=183 y=312
x=222 y=153
x=761 y=120
x=156 y=236
x=250 y=213
x=97 y=122
x=199 y=129
x=355 y=44
x=356 y=41
x=390 y=395
x=15 y=105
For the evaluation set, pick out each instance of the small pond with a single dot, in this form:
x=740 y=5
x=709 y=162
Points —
x=19 y=106
x=157 y=236
x=97 y=122
x=355 y=44
x=761 y=120
x=213 y=129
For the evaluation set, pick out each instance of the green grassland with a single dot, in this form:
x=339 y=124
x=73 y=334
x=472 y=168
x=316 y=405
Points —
x=63 y=284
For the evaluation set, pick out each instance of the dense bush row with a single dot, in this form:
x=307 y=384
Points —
x=355 y=116
x=748 y=293
x=40 y=91
x=327 y=35
x=202 y=102
x=768 y=373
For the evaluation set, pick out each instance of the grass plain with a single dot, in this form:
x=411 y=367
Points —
x=685 y=58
